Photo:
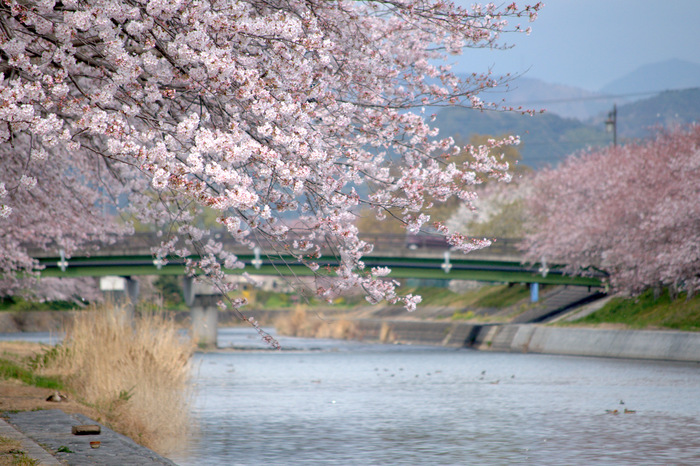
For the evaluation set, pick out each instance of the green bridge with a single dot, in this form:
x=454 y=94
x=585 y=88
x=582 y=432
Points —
x=429 y=259
x=426 y=258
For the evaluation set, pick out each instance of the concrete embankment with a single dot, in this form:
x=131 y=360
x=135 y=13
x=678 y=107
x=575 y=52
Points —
x=533 y=338
x=640 y=344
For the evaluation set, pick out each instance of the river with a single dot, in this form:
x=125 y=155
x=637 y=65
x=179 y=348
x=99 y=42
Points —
x=322 y=402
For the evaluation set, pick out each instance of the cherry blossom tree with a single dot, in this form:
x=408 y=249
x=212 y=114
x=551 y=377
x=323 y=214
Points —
x=632 y=211
x=499 y=211
x=262 y=110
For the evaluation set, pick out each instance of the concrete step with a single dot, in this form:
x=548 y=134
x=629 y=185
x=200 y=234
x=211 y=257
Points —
x=557 y=301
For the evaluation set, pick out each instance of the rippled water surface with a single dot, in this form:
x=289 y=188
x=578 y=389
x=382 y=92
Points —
x=330 y=402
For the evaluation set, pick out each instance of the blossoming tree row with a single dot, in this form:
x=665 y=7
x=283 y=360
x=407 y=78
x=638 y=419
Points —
x=632 y=210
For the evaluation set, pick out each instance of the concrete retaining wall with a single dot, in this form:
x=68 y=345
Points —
x=640 y=344
x=453 y=334
x=637 y=344
x=523 y=338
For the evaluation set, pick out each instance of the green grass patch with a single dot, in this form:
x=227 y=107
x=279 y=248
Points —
x=46 y=357
x=12 y=370
x=467 y=315
x=266 y=299
x=501 y=296
x=18 y=304
x=644 y=311
x=170 y=289
x=347 y=301
x=433 y=296
x=277 y=300
x=487 y=296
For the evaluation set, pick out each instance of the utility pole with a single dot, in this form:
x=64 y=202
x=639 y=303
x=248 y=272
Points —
x=611 y=124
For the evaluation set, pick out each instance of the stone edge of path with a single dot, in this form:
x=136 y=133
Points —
x=29 y=446
x=51 y=429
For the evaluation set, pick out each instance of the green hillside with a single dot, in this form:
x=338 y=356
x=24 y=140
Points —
x=548 y=138
x=668 y=109
x=545 y=138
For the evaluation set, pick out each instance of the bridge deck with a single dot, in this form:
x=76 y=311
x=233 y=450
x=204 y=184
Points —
x=499 y=263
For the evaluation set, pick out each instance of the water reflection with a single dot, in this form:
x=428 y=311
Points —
x=324 y=401
x=47 y=338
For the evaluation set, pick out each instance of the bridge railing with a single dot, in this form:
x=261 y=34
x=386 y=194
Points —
x=141 y=244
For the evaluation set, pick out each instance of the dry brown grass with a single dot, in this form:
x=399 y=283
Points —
x=386 y=334
x=136 y=375
x=301 y=323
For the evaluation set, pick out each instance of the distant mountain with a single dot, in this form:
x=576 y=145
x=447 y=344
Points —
x=545 y=138
x=574 y=102
x=548 y=138
x=668 y=109
x=565 y=101
x=656 y=77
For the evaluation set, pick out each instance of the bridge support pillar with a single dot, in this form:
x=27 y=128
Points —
x=202 y=300
x=121 y=294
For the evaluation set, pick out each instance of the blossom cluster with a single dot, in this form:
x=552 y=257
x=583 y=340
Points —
x=259 y=111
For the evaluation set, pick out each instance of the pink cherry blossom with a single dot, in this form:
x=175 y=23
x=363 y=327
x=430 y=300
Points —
x=631 y=211
x=260 y=111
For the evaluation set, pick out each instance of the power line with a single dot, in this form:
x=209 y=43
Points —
x=596 y=97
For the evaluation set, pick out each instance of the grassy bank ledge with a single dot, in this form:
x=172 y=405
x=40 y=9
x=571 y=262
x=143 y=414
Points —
x=648 y=312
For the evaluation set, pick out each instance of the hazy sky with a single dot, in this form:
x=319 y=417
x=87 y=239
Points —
x=588 y=43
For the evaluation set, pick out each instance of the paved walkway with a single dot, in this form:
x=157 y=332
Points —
x=52 y=430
